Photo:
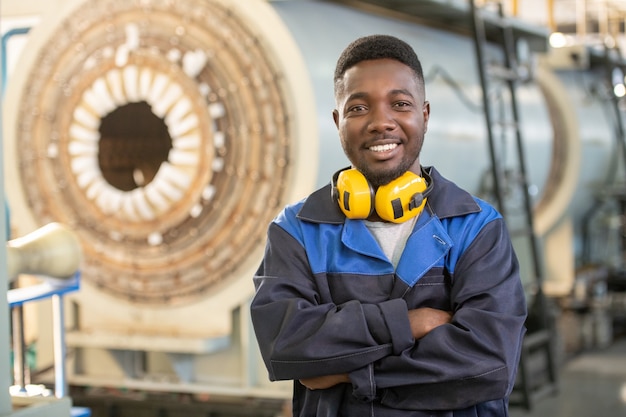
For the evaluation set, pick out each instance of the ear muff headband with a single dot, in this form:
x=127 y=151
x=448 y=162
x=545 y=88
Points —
x=399 y=201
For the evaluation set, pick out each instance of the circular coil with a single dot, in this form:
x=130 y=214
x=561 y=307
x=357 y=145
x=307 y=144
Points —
x=161 y=132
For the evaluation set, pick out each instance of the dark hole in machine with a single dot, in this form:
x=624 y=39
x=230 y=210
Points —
x=134 y=142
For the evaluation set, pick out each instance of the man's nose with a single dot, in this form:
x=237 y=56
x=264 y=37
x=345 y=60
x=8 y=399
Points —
x=381 y=119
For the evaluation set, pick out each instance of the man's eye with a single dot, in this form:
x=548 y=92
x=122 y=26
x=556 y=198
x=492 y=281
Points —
x=356 y=109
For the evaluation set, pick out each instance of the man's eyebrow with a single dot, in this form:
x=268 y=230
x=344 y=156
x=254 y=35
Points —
x=356 y=96
x=401 y=91
x=362 y=95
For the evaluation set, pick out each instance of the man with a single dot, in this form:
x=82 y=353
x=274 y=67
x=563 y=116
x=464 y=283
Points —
x=391 y=291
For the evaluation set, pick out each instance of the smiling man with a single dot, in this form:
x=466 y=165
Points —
x=390 y=291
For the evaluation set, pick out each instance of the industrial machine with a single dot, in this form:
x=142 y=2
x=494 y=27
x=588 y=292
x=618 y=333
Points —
x=168 y=134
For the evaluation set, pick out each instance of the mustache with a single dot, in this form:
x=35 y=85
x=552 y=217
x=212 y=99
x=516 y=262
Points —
x=383 y=137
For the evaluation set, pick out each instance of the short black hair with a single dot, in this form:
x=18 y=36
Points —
x=378 y=47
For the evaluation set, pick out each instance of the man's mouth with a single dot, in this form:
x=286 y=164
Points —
x=383 y=148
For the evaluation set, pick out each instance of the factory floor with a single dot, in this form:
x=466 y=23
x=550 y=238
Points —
x=590 y=384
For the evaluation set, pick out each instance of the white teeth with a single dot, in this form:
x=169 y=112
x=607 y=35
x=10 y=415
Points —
x=384 y=148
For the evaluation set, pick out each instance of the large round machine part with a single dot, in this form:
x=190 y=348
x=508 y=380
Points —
x=167 y=134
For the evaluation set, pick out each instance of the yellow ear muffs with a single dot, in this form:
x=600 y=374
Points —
x=400 y=200
x=354 y=193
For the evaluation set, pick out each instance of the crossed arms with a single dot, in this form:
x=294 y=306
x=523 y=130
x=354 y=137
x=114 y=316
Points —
x=445 y=359
x=422 y=321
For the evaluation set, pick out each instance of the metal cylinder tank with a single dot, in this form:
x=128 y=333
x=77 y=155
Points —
x=168 y=134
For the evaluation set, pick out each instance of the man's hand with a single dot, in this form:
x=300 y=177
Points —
x=422 y=320
x=425 y=319
x=325 y=381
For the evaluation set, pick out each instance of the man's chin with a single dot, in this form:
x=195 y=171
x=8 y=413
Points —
x=376 y=179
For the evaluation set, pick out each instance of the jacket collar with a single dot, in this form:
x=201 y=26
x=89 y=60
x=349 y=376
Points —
x=446 y=200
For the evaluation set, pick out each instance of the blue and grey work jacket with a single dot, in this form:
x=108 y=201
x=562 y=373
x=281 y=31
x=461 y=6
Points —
x=328 y=301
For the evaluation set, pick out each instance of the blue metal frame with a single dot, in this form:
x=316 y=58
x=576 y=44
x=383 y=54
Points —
x=5 y=40
x=20 y=296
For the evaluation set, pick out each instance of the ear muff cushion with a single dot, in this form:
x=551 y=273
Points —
x=402 y=198
x=354 y=194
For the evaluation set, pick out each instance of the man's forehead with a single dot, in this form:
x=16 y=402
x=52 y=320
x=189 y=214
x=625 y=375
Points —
x=382 y=70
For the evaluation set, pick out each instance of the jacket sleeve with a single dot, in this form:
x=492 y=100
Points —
x=474 y=358
x=299 y=337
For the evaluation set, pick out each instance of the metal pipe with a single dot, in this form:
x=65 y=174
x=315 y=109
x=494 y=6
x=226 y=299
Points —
x=581 y=18
x=58 y=329
x=603 y=20
x=551 y=21
x=19 y=348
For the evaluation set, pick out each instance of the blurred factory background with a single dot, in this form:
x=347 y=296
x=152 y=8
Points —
x=165 y=135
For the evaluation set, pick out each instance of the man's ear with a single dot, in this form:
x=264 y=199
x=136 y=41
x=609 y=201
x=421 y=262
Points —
x=336 y=117
x=426 y=114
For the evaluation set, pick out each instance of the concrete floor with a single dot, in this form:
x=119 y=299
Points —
x=590 y=384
